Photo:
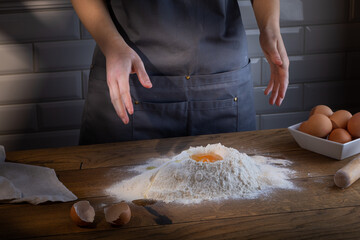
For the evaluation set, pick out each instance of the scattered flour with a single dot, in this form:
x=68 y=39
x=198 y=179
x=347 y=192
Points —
x=183 y=180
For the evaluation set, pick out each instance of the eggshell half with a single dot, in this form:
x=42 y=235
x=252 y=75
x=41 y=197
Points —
x=118 y=214
x=82 y=213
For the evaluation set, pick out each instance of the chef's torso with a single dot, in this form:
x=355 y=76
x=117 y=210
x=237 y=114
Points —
x=195 y=53
x=183 y=37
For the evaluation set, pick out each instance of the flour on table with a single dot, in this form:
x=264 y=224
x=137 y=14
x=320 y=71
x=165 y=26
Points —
x=183 y=180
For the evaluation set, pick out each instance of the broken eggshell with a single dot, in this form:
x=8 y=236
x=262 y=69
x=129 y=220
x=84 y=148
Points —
x=82 y=213
x=118 y=214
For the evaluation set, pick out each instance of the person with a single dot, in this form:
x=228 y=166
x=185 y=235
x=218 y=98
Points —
x=168 y=68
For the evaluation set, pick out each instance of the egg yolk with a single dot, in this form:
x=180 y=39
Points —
x=206 y=157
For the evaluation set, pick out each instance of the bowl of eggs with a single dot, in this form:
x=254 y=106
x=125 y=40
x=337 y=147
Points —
x=333 y=134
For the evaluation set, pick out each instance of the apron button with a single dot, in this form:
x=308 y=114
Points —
x=187 y=77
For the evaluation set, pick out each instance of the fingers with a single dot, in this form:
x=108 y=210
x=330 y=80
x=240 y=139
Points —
x=118 y=81
x=120 y=101
x=283 y=73
x=139 y=69
x=273 y=85
x=278 y=84
x=279 y=80
x=269 y=87
x=283 y=83
x=126 y=98
x=274 y=94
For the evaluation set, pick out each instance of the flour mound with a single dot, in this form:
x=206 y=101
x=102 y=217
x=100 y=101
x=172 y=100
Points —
x=184 y=180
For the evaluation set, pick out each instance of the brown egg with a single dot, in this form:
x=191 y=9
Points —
x=321 y=109
x=353 y=125
x=317 y=125
x=82 y=213
x=340 y=135
x=303 y=126
x=118 y=214
x=340 y=118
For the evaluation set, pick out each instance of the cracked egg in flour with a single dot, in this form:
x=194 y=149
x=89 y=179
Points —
x=214 y=172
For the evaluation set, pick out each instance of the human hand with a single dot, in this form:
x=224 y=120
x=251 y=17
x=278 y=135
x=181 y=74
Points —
x=120 y=63
x=273 y=47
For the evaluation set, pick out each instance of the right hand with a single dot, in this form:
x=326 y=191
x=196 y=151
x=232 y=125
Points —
x=120 y=63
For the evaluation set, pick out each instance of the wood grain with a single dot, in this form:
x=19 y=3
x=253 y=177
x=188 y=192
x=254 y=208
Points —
x=318 y=224
x=317 y=209
x=274 y=143
x=314 y=194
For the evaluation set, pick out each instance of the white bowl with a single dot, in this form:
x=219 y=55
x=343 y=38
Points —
x=323 y=146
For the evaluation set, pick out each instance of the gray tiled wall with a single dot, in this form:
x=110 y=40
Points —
x=322 y=38
x=46 y=52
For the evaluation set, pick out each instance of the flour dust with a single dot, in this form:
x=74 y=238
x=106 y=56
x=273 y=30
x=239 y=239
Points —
x=183 y=180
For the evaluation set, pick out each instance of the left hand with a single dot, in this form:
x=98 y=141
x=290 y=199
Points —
x=273 y=47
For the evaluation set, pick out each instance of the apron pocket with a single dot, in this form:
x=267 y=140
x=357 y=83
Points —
x=159 y=120
x=210 y=117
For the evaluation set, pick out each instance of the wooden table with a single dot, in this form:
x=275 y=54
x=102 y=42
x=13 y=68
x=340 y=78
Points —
x=318 y=209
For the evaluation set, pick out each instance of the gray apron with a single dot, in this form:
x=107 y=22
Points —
x=195 y=53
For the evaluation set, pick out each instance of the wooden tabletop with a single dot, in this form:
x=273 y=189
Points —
x=317 y=209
